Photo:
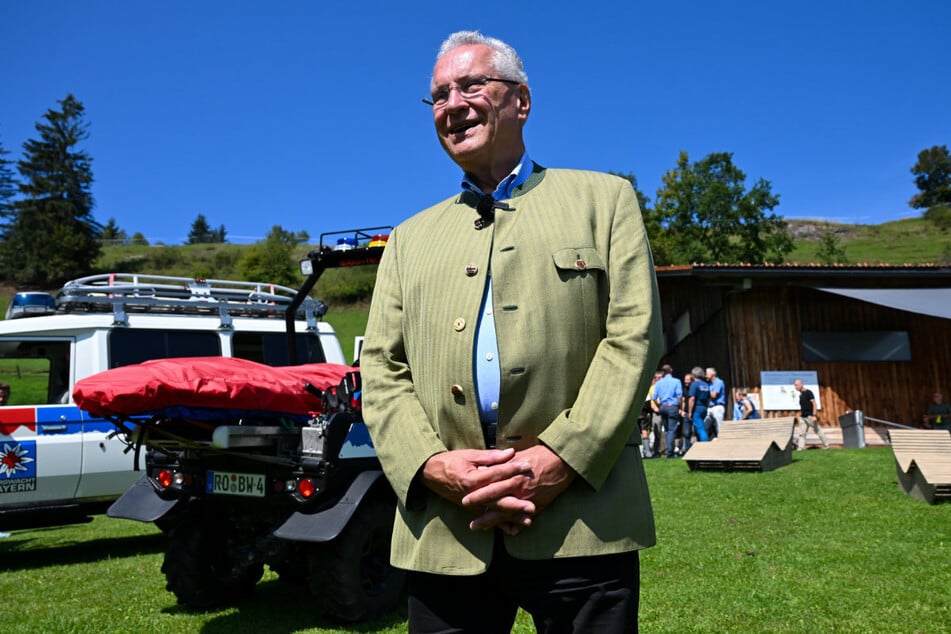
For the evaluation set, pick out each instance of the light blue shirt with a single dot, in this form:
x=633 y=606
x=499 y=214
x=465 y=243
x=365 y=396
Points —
x=488 y=376
x=716 y=385
x=668 y=390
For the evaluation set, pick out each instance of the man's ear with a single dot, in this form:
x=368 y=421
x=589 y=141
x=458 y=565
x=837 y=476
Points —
x=524 y=101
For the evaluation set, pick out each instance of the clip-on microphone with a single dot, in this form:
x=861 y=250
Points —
x=486 y=208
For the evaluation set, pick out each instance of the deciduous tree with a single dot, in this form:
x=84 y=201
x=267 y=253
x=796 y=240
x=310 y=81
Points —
x=705 y=213
x=932 y=177
x=272 y=260
x=52 y=234
x=830 y=249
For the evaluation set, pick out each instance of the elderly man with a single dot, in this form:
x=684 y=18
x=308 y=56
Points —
x=512 y=338
x=717 y=407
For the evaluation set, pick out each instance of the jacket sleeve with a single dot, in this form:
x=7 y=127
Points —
x=590 y=436
x=402 y=435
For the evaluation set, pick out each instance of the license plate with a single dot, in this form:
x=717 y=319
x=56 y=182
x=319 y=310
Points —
x=226 y=483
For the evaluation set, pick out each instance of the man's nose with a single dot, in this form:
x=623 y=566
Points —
x=455 y=100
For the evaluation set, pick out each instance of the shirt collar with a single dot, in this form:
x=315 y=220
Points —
x=504 y=190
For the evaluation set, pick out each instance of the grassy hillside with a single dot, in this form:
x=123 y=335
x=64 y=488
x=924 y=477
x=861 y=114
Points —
x=908 y=241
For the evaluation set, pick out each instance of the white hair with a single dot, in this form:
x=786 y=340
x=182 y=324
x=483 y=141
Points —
x=505 y=61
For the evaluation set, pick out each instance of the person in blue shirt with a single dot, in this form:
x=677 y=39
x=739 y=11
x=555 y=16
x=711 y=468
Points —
x=698 y=399
x=745 y=409
x=717 y=409
x=667 y=394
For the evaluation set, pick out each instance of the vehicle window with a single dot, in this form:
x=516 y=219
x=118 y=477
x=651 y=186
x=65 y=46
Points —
x=37 y=372
x=271 y=348
x=127 y=346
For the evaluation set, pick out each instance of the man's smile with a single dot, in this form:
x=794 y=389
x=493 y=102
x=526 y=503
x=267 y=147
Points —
x=462 y=127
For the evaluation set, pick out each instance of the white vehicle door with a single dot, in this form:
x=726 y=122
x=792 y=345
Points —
x=40 y=438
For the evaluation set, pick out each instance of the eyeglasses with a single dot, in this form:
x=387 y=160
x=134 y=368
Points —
x=468 y=89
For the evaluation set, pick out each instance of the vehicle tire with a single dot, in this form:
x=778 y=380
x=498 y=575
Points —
x=204 y=566
x=351 y=577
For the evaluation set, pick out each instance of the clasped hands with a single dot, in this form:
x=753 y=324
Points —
x=505 y=489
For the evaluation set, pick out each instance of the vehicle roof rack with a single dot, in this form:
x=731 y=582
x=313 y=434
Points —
x=121 y=293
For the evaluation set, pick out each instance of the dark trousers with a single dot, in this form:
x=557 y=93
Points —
x=576 y=594
x=670 y=419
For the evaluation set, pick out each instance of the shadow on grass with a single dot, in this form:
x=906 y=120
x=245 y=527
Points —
x=17 y=554
x=279 y=606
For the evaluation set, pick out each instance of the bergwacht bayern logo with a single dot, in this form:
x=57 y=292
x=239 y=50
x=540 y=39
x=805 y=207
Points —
x=15 y=461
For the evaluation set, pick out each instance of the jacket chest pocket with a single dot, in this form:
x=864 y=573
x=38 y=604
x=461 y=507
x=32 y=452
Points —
x=583 y=290
x=578 y=262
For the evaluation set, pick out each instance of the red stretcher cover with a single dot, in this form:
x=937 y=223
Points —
x=196 y=383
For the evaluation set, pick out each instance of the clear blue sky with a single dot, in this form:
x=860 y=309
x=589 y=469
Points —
x=307 y=114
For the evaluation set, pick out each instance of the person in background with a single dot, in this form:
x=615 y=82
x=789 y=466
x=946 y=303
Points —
x=686 y=424
x=745 y=409
x=698 y=399
x=668 y=394
x=939 y=413
x=807 y=417
x=657 y=427
x=717 y=408
x=4 y=393
x=737 y=408
x=512 y=336
x=651 y=435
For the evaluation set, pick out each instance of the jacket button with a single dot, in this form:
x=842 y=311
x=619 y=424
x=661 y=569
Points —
x=459 y=324
x=457 y=390
x=471 y=270
x=580 y=264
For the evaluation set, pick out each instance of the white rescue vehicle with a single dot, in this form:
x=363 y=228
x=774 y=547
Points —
x=58 y=464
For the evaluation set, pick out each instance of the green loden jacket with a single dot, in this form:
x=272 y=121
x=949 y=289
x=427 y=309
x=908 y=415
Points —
x=578 y=327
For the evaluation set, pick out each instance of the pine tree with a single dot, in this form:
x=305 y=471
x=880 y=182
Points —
x=112 y=233
x=8 y=188
x=52 y=234
x=202 y=233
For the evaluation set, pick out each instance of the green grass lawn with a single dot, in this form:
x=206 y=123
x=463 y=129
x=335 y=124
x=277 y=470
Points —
x=826 y=544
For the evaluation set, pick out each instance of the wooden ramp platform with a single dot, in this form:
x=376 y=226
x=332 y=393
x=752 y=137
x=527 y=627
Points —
x=751 y=445
x=923 y=462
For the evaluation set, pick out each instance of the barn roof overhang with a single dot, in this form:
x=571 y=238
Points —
x=784 y=272
x=935 y=302
x=743 y=277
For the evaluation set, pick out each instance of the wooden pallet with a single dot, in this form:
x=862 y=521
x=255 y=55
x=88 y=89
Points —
x=748 y=445
x=923 y=462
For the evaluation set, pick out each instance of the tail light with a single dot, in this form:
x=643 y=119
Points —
x=306 y=488
x=165 y=478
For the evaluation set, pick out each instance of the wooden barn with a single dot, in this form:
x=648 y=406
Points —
x=877 y=337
